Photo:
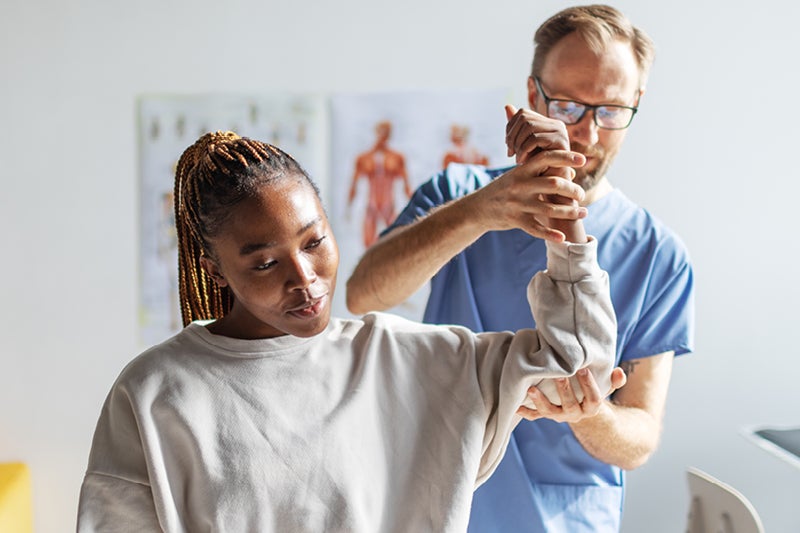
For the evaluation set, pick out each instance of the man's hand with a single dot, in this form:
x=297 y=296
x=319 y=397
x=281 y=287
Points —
x=524 y=196
x=570 y=409
x=528 y=133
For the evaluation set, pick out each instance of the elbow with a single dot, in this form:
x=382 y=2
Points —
x=635 y=460
x=574 y=358
x=639 y=454
x=361 y=289
x=355 y=297
x=352 y=299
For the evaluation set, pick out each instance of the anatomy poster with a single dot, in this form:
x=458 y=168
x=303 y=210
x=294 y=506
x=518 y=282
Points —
x=168 y=124
x=383 y=145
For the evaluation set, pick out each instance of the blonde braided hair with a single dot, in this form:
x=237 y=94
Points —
x=214 y=174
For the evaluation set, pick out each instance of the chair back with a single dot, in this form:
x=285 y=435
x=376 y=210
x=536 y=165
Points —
x=718 y=508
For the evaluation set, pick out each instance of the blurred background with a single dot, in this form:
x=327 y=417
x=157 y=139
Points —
x=712 y=153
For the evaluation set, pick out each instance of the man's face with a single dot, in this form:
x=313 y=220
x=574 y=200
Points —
x=572 y=71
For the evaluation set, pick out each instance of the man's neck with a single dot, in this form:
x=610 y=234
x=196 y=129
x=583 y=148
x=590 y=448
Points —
x=602 y=188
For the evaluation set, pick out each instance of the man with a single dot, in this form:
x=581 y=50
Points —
x=563 y=471
x=380 y=166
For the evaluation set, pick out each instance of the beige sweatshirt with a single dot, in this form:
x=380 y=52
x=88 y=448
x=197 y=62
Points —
x=375 y=425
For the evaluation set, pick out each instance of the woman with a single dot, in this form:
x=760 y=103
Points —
x=266 y=414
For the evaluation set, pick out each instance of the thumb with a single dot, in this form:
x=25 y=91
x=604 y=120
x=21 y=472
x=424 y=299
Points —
x=510 y=112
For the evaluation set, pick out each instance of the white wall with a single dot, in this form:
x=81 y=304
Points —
x=713 y=153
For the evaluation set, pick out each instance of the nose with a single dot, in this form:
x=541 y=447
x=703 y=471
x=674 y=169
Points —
x=301 y=273
x=586 y=131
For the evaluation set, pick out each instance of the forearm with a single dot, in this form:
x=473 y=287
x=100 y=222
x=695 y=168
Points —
x=404 y=260
x=400 y=263
x=587 y=326
x=575 y=328
x=573 y=230
x=619 y=435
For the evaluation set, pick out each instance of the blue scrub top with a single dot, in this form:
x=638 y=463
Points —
x=547 y=481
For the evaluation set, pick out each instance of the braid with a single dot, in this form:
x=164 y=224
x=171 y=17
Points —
x=215 y=173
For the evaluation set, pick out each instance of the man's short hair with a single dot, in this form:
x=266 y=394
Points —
x=598 y=25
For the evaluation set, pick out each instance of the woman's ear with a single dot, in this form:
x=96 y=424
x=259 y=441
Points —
x=212 y=269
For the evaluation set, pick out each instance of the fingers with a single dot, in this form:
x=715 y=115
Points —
x=568 y=411
x=510 y=111
x=528 y=133
x=571 y=409
x=618 y=380
x=557 y=159
x=523 y=199
x=528 y=414
x=557 y=164
x=546 y=233
x=552 y=217
x=543 y=407
x=591 y=392
x=568 y=173
x=569 y=402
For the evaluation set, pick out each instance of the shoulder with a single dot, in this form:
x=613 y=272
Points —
x=382 y=323
x=157 y=362
x=666 y=243
x=461 y=179
x=637 y=228
x=453 y=182
x=457 y=180
x=641 y=250
x=390 y=330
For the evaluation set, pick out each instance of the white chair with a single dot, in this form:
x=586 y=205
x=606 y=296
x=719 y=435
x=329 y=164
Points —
x=718 y=508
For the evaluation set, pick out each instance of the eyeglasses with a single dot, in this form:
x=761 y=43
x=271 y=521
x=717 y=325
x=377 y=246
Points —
x=606 y=116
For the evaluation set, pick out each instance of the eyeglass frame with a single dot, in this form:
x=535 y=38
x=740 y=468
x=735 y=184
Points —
x=586 y=107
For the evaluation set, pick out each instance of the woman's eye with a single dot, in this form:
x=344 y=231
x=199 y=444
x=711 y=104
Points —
x=315 y=242
x=265 y=266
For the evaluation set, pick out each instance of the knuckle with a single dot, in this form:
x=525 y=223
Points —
x=567 y=186
x=552 y=182
x=564 y=173
x=550 y=211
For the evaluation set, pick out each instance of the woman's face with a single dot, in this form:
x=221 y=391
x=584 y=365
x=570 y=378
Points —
x=278 y=256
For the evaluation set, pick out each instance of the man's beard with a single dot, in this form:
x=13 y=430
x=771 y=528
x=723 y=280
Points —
x=589 y=179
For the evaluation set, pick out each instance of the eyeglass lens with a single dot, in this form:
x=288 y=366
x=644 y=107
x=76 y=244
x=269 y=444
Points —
x=606 y=116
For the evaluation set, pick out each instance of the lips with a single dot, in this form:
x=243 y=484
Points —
x=308 y=309
x=590 y=152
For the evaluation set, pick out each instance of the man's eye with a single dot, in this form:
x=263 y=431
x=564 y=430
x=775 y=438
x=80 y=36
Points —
x=570 y=110
x=608 y=112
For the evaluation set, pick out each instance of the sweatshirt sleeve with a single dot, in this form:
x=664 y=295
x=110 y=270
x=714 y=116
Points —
x=116 y=495
x=576 y=328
